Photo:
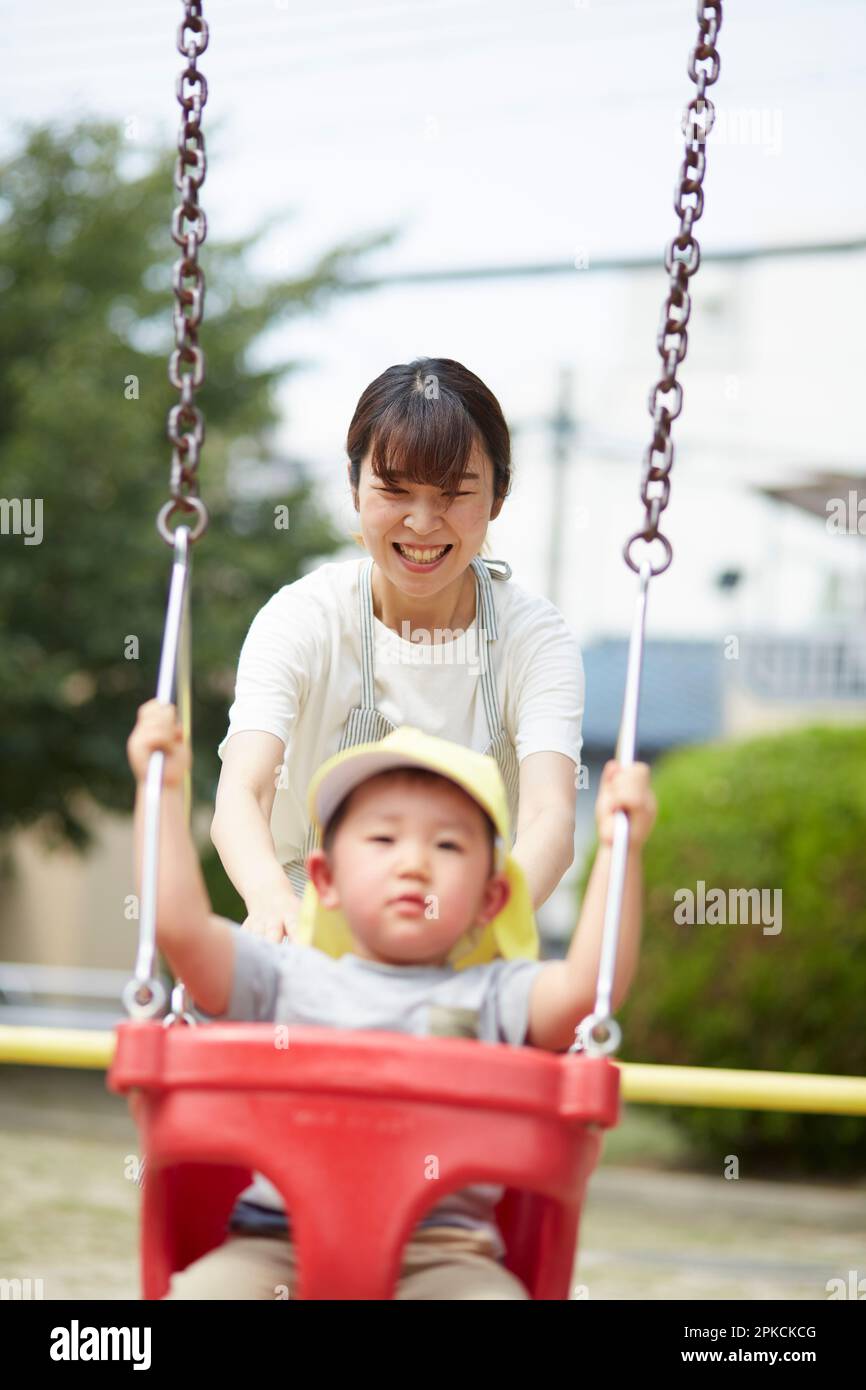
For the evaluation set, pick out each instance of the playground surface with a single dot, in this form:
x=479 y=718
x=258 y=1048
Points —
x=69 y=1209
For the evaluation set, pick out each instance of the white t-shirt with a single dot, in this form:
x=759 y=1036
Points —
x=299 y=674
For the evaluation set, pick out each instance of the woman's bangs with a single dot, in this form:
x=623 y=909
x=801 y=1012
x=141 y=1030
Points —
x=431 y=446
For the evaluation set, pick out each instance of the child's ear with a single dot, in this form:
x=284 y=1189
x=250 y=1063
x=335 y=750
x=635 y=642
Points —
x=496 y=895
x=322 y=879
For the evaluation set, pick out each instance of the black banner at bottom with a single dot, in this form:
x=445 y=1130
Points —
x=63 y=1338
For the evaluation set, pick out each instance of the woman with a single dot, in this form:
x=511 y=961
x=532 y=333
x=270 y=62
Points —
x=419 y=631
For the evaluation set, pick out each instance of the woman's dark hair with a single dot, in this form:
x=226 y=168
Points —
x=422 y=418
x=412 y=774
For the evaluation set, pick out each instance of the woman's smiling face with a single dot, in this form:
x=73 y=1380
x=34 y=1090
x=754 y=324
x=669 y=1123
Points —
x=413 y=530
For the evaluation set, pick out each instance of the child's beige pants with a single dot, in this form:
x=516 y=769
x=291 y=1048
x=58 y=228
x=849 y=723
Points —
x=439 y=1263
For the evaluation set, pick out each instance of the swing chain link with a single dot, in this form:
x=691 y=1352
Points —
x=682 y=258
x=185 y=428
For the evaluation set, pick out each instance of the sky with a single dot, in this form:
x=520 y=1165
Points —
x=511 y=133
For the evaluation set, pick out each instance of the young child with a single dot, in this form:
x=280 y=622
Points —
x=417 y=919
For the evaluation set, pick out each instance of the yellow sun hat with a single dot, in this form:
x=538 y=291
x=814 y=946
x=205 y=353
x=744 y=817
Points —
x=513 y=932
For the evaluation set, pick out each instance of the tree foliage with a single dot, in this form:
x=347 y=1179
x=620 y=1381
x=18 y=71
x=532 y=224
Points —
x=85 y=332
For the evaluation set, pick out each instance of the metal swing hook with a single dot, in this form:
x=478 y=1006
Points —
x=144 y=996
x=599 y=1034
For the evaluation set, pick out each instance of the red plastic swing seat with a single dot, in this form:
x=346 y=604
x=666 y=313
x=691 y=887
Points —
x=345 y=1125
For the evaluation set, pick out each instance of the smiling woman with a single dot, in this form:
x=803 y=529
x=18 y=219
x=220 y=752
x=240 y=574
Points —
x=347 y=653
x=429 y=468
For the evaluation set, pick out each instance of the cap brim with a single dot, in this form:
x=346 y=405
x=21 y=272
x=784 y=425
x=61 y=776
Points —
x=344 y=778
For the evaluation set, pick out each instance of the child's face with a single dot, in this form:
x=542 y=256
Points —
x=426 y=840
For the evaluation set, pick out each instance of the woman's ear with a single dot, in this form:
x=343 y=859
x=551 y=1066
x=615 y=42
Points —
x=355 y=535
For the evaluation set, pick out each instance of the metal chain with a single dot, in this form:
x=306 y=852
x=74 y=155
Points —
x=599 y=1034
x=185 y=427
x=682 y=258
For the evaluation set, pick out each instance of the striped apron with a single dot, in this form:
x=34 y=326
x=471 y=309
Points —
x=367 y=724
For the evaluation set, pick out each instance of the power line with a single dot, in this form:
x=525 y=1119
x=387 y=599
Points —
x=607 y=264
x=284 y=20
x=332 y=38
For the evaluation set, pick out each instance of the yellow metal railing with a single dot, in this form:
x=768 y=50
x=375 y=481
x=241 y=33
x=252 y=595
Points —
x=642 y=1084
x=743 y=1090
x=57 y=1047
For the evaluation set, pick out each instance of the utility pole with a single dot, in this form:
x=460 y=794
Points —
x=556 y=916
x=563 y=426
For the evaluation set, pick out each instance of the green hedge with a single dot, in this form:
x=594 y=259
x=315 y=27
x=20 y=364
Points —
x=787 y=812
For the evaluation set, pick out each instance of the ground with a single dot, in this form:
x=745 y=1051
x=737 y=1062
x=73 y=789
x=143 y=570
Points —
x=69 y=1210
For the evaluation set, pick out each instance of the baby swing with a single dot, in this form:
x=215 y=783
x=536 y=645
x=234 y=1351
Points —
x=341 y=1121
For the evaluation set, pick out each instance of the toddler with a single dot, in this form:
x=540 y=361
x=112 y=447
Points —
x=416 y=919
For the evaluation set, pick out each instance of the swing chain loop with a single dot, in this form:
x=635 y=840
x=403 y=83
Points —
x=185 y=428
x=682 y=259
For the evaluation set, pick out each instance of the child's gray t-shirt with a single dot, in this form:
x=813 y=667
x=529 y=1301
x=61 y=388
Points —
x=291 y=983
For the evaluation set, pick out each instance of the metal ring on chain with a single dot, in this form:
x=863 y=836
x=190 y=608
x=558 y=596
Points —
x=599 y=1035
x=189 y=503
x=641 y=536
x=144 y=998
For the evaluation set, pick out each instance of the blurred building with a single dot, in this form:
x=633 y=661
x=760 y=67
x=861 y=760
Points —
x=750 y=679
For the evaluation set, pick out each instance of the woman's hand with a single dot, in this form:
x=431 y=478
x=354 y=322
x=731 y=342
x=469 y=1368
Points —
x=625 y=789
x=273 y=915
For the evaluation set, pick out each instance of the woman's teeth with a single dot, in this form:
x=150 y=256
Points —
x=422 y=557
